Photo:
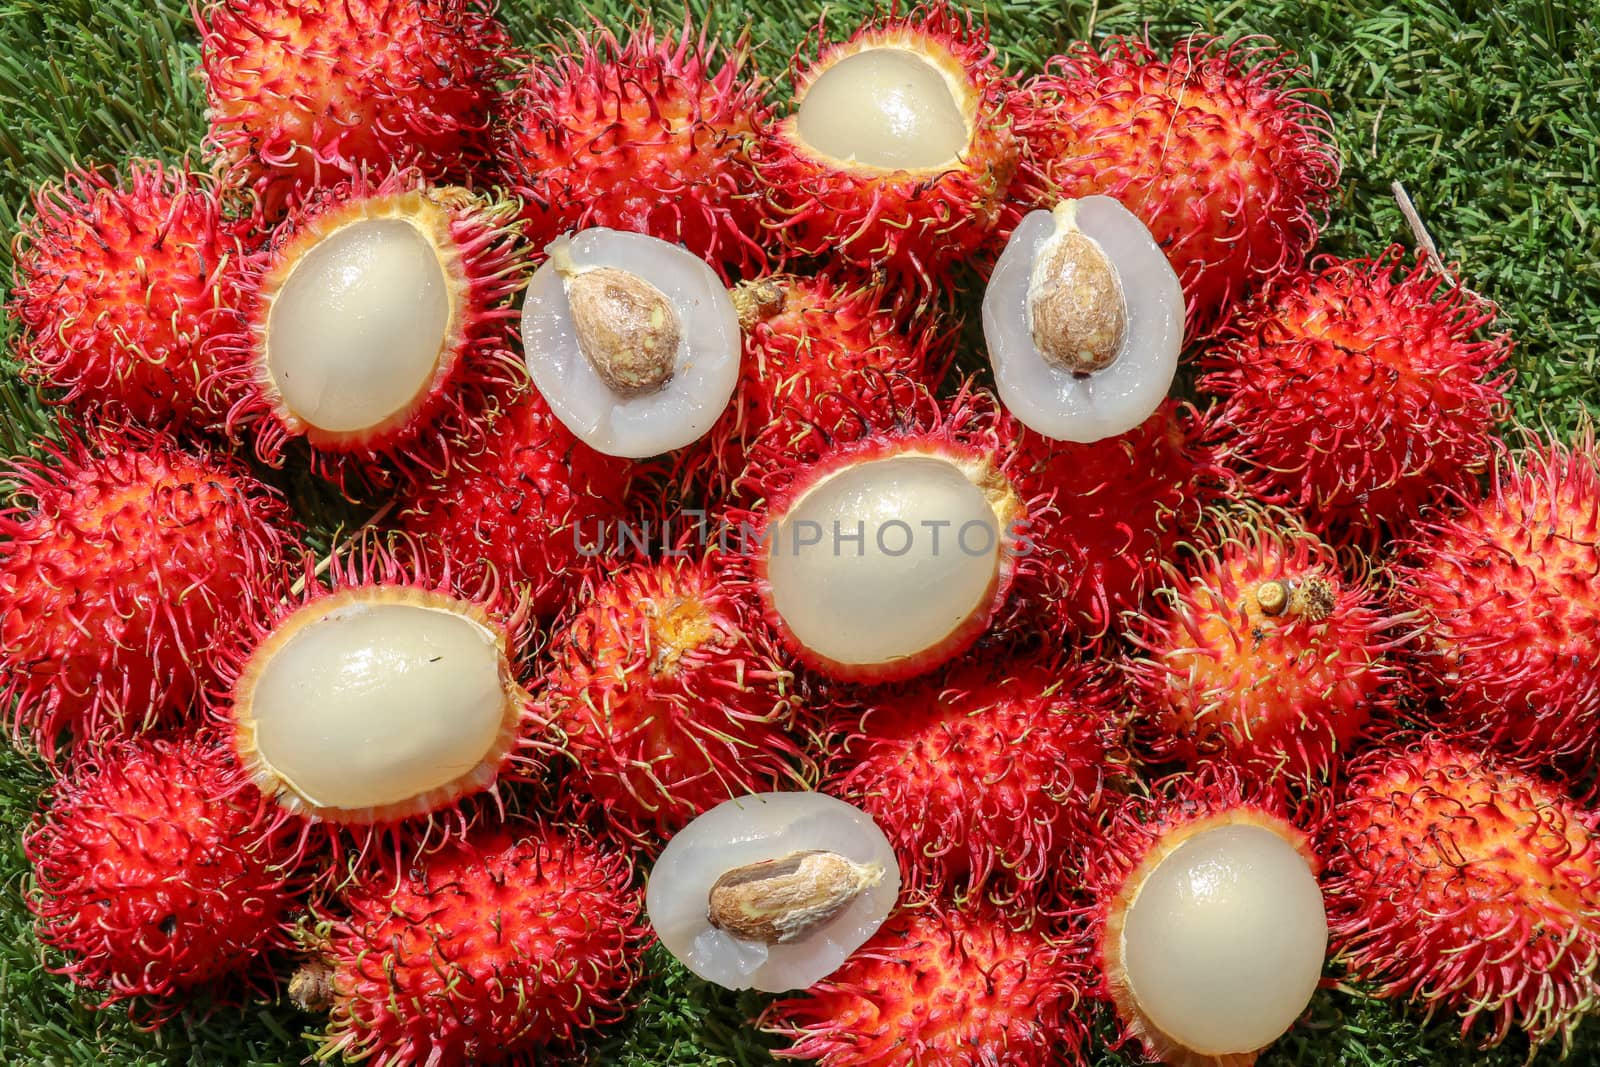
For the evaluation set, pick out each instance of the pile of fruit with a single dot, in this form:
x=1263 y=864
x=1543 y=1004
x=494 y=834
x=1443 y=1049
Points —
x=658 y=398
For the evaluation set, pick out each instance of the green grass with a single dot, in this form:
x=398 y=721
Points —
x=1467 y=104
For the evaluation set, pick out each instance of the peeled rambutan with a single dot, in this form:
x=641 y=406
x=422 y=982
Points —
x=1229 y=166
x=304 y=93
x=122 y=560
x=900 y=149
x=151 y=878
x=516 y=938
x=667 y=696
x=1505 y=584
x=644 y=136
x=1359 y=393
x=1267 y=652
x=377 y=326
x=988 y=779
x=1460 y=883
x=941 y=987
x=119 y=284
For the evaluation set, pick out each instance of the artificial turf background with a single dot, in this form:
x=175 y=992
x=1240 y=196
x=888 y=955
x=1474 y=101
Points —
x=1487 y=112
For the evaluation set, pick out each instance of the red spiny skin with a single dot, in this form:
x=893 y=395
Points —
x=1230 y=167
x=305 y=93
x=1220 y=676
x=915 y=225
x=122 y=561
x=514 y=939
x=647 y=135
x=118 y=284
x=1506 y=587
x=1360 y=391
x=1459 y=883
x=989 y=779
x=152 y=880
x=668 y=697
x=939 y=987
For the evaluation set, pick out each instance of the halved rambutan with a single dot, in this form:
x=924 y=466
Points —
x=119 y=284
x=900 y=149
x=1267 y=652
x=988 y=778
x=667 y=696
x=376 y=326
x=1506 y=588
x=1208 y=923
x=1230 y=167
x=304 y=93
x=642 y=136
x=1360 y=393
x=518 y=937
x=152 y=879
x=122 y=560
x=1463 y=884
x=941 y=987
x=890 y=526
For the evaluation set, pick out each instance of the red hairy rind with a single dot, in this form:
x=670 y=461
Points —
x=940 y=987
x=118 y=284
x=667 y=697
x=151 y=880
x=123 y=559
x=1458 y=883
x=641 y=136
x=915 y=225
x=1357 y=391
x=1505 y=584
x=516 y=938
x=988 y=779
x=305 y=93
x=1219 y=676
x=1230 y=167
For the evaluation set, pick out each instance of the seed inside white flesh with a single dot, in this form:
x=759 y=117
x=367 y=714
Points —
x=1224 y=942
x=902 y=551
x=355 y=333
x=650 y=407
x=749 y=830
x=375 y=704
x=887 y=108
x=1050 y=395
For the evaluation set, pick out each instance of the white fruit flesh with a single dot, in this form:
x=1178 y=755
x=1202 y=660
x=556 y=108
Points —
x=925 y=562
x=375 y=704
x=1224 y=943
x=1054 y=400
x=887 y=108
x=356 y=332
x=746 y=830
x=704 y=371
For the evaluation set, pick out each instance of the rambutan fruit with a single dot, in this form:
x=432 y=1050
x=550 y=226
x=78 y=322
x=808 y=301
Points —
x=1208 y=923
x=151 y=878
x=940 y=987
x=122 y=560
x=1267 y=652
x=1229 y=166
x=988 y=778
x=304 y=93
x=118 y=285
x=1360 y=393
x=1460 y=883
x=516 y=938
x=376 y=326
x=900 y=150
x=1506 y=588
x=645 y=136
x=667 y=696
